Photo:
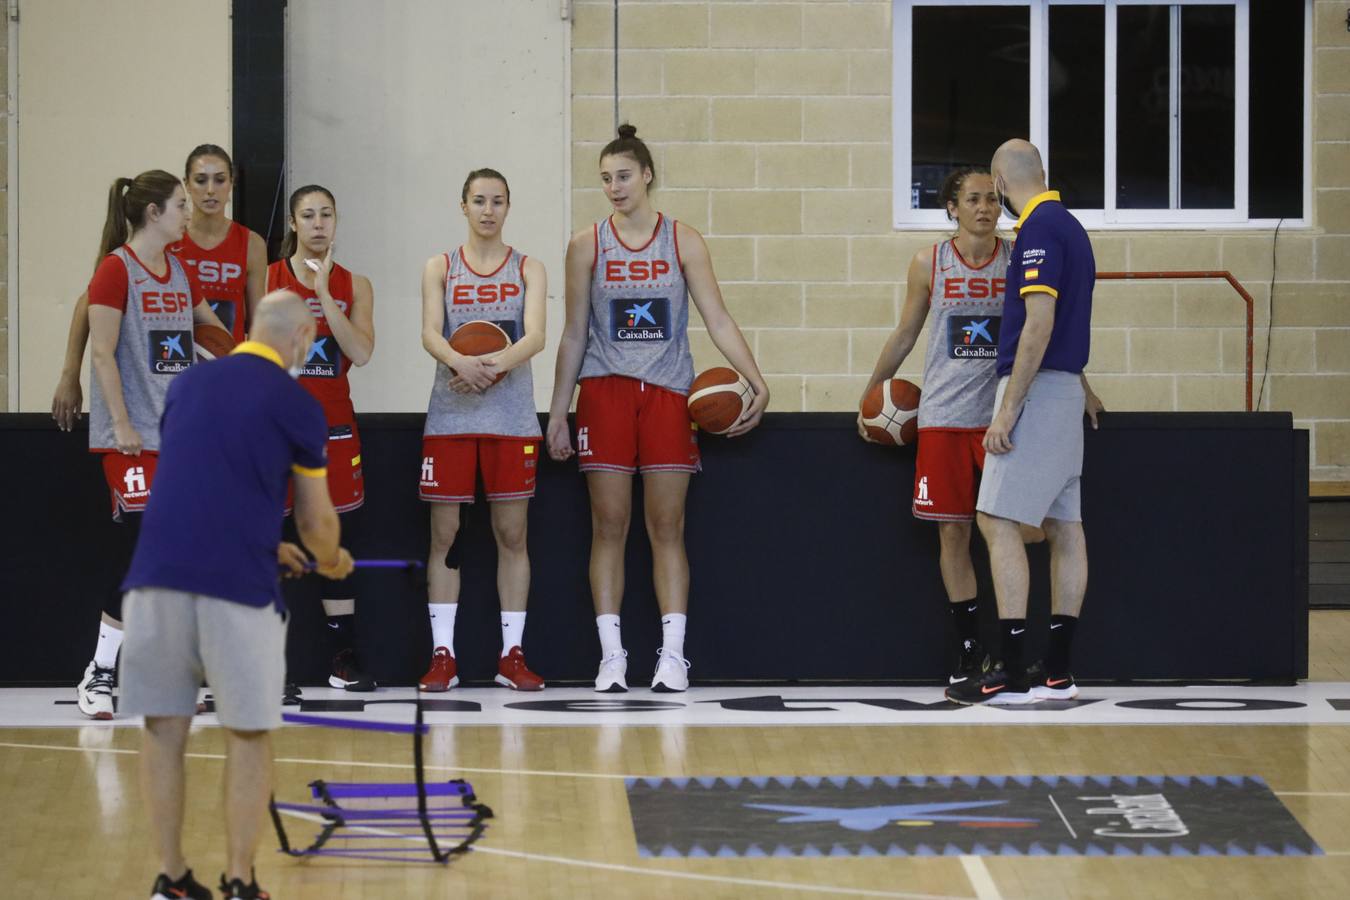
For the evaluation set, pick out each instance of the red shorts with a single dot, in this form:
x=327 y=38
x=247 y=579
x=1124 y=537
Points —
x=129 y=479
x=450 y=466
x=947 y=473
x=346 y=487
x=626 y=425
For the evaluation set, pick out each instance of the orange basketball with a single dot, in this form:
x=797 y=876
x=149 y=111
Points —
x=718 y=398
x=890 y=412
x=478 y=338
x=211 y=342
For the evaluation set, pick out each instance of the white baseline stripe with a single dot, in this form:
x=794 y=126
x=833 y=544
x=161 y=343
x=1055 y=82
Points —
x=664 y=873
x=980 y=879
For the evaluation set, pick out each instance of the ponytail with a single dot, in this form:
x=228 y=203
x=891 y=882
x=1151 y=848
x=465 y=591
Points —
x=291 y=242
x=128 y=198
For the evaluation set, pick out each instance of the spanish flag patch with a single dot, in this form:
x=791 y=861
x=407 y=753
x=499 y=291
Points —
x=1031 y=274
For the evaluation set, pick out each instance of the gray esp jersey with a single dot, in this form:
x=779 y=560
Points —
x=965 y=309
x=154 y=345
x=507 y=408
x=639 y=322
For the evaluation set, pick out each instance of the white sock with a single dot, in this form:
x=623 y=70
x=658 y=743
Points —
x=611 y=642
x=443 y=625
x=513 y=630
x=672 y=634
x=109 y=641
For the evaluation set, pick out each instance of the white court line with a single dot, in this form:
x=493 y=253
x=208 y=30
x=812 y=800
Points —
x=1311 y=793
x=980 y=879
x=664 y=873
x=1073 y=834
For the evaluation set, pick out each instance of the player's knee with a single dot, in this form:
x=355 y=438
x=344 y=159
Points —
x=510 y=537
x=1060 y=532
x=443 y=536
x=954 y=536
x=665 y=527
x=609 y=523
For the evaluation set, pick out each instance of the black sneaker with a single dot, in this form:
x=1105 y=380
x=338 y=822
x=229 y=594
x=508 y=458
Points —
x=235 y=889
x=348 y=675
x=290 y=694
x=973 y=663
x=1046 y=686
x=186 y=886
x=995 y=687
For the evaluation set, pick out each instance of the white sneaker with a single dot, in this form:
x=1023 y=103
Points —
x=94 y=692
x=612 y=677
x=672 y=673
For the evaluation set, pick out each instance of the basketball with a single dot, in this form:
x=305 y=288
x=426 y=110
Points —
x=211 y=342
x=890 y=412
x=718 y=398
x=478 y=338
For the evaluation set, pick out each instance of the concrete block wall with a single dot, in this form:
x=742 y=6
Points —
x=770 y=124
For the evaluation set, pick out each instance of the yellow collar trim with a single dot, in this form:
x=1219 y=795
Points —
x=1035 y=202
x=258 y=348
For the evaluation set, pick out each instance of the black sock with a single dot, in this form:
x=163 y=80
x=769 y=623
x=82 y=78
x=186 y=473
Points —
x=1061 y=643
x=966 y=618
x=1014 y=632
x=341 y=633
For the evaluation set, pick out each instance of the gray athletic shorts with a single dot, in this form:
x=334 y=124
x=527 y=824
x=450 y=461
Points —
x=1039 y=478
x=173 y=639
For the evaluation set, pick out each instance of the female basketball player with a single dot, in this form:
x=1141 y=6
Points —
x=629 y=280
x=956 y=286
x=343 y=304
x=141 y=314
x=226 y=262
x=475 y=424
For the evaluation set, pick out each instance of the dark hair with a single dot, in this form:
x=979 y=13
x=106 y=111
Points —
x=202 y=150
x=629 y=144
x=483 y=173
x=128 y=198
x=290 y=242
x=952 y=186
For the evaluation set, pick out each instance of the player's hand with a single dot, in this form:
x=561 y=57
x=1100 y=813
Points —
x=67 y=401
x=752 y=415
x=559 y=438
x=998 y=437
x=127 y=439
x=323 y=271
x=1092 y=404
x=862 y=431
x=292 y=560
x=478 y=372
x=337 y=568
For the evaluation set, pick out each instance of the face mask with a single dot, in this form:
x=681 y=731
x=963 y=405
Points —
x=1007 y=205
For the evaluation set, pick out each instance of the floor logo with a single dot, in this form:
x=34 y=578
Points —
x=1077 y=815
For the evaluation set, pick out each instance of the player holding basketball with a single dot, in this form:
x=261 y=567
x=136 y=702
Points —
x=226 y=262
x=343 y=305
x=956 y=287
x=629 y=280
x=477 y=424
x=1035 y=441
x=141 y=313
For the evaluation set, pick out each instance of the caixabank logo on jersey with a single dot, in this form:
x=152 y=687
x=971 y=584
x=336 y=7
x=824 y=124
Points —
x=640 y=320
x=324 y=359
x=973 y=337
x=224 y=310
x=170 y=351
x=1028 y=815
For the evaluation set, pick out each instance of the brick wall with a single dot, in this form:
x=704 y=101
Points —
x=770 y=125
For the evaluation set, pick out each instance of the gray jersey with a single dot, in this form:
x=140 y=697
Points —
x=965 y=309
x=639 y=323
x=154 y=345
x=507 y=408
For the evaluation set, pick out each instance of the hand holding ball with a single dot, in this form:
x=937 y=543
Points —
x=478 y=338
x=718 y=398
x=890 y=412
x=211 y=342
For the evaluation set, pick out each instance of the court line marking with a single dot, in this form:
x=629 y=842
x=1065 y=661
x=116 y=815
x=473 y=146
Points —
x=980 y=878
x=665 y=873
x=1062 y=818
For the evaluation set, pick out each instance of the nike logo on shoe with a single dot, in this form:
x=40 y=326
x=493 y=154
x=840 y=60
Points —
x=334 y=625
x=1055 y=682
x=955 y=680
x=986 y=689
x=1017 y=631
x=1056 y=625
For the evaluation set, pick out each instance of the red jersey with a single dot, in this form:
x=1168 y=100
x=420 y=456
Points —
x=220 y=276
x=325 y=371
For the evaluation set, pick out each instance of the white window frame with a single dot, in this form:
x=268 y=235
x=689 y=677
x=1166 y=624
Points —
x=905 y=218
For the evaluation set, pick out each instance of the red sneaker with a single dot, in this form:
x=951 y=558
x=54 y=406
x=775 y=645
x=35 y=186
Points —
x=513 y=673
x=442 y=675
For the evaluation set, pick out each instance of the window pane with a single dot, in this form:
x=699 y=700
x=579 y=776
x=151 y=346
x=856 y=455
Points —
x=1206 y=174
x=1275 y=166
x=971 y=89
x=1142 y=80
x=1077 y=114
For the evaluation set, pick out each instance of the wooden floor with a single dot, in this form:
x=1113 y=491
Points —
x=73 y=826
